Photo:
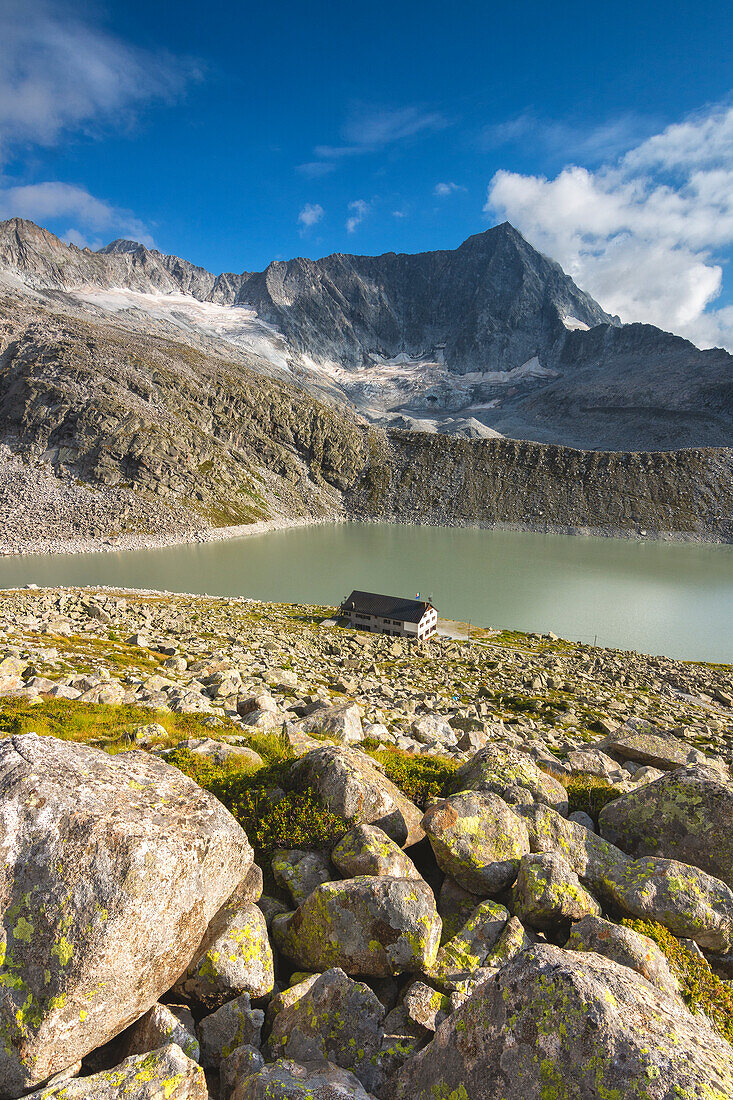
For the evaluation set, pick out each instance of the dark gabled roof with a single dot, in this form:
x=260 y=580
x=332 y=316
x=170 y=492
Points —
x=386 y=607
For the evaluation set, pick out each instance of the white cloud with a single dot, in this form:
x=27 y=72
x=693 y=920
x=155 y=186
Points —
x=315 y=168
x=442 y=190
x=43 y=202
x=641 y=233
x=370 y=128
x=555 y=138
x=310 y=215
x=60 y=73
x=73 y=236
x=359 y=209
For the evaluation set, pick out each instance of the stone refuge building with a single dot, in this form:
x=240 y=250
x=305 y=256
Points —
x=390 y=615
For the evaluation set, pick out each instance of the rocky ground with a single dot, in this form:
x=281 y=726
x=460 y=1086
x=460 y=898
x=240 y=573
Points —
x=249 y=854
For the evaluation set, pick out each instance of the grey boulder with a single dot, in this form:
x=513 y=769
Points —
x=337 y=1019
x=112 y=869
x=562 y=1024
x=164 y=1074
x=236 y=1067
x=233 y=1025
x=159 y=1026
x=589 y=855
x=512 y=775
x=287 y=1080
x=367 y=850
x=687 y=815
x=350 y=784
x=299 y=872
x=477 y=839
x=469 y=949
x=623 y=946
x=366 y=926
x=342 y=722
x=548 y=892
x=235 y=957
x=641 y=742
x=684 y=899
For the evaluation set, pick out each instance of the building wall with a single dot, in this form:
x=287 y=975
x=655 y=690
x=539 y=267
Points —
x=378 y=625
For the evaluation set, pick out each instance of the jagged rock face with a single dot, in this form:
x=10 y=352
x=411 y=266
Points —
x=46 y=263
x=491 y=304
x=490 y=338
x=178 y=427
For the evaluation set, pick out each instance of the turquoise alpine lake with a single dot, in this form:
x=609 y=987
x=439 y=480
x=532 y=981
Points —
x=668 y=598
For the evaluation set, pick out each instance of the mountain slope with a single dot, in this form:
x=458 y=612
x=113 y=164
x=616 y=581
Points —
x=106 y=432
x=489 y=339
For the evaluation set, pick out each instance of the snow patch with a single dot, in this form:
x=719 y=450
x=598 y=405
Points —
x=574 y=325
x=235 y=324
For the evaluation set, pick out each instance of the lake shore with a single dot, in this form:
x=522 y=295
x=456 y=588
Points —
x=13 y=546
x=157 y=540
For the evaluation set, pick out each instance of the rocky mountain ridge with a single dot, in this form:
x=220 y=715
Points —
x=124 y=410
x=490 y=338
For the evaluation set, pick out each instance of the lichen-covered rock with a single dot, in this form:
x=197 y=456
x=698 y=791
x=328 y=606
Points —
x=299 y=872
x=233 y=1025
x=288 y=996
x=237 y=1066
x=684 y=899
x=512 y=941
x=366 y=926
x=337 y=1019
x=477 y=839
x=623 y=946
x=548 y=892
x=270 y=907
x=593 y=761
x=163 y=1074
x=687 y=814
x=426 y=1006
x=402 y=1038
x=349 y=784
x=569 y=1026
x=641 y=742
x=589 y=855
x=219 y=752
x=235 y=957
x=160 y=1026
x=512 y=775
x=112 y=869
x=367 y=850
x=286 y=1080
x=469 y=948
x=455 y=906
x=431 y=728
x=342 y=722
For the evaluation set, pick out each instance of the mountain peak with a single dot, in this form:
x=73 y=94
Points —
x=121 y=245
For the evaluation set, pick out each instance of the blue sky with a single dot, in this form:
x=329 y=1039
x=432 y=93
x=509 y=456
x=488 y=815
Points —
x=237 y=134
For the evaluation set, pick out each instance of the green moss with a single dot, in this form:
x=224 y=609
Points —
x=589 y=793
x=420 y=778
x=107 y=726
x=266 y=803
x=701 y=989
